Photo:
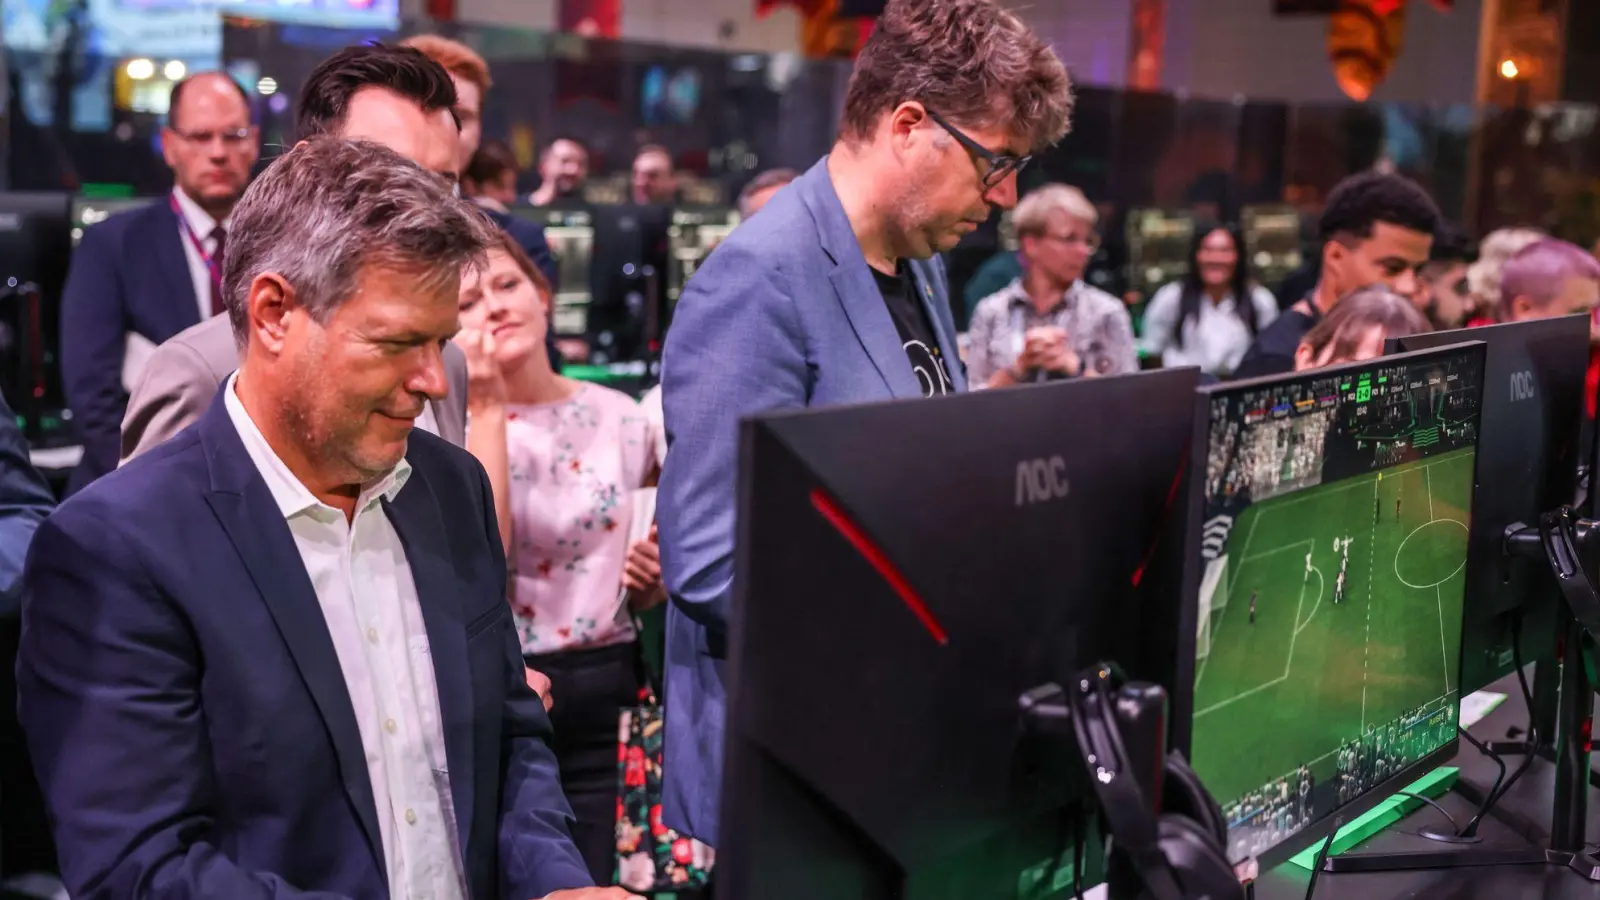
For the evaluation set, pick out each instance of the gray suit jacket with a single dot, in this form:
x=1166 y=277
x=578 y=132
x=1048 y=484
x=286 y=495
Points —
x=184 y=373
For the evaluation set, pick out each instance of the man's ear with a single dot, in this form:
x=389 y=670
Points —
x=1522 y=308
x=269 y=302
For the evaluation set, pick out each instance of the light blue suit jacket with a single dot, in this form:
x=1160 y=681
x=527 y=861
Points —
x=784 y=314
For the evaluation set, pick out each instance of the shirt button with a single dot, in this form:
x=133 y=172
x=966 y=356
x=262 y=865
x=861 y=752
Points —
x=388 y=725
x=411 y=817
x=372 y=635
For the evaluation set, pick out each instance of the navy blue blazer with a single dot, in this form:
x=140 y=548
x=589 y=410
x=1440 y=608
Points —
x=185 y=708
x=25 y=500
x=128 y=274
x=784 y=314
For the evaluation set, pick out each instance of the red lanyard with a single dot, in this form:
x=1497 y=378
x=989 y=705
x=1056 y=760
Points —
x=213 y=268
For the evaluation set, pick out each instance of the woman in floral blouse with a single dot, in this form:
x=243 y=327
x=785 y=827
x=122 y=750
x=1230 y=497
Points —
x=565 y=459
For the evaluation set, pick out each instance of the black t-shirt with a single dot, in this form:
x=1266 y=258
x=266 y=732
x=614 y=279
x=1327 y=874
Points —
x=916 y=332
x=1273 y=351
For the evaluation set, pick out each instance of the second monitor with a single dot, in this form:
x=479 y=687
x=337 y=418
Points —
x=1333 y=520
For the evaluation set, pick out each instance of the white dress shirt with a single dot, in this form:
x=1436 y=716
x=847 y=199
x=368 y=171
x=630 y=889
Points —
x=369 y=601
x=1216 y=340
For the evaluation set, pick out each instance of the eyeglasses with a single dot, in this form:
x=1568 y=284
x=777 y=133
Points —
x=1000 y=164
x=233 y=138
x=1090 y=241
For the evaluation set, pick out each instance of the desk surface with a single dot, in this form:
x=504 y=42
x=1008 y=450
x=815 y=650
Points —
x=1531 y=796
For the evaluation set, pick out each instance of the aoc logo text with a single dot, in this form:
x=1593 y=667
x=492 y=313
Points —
x=1041 y=480
x=1521 y=386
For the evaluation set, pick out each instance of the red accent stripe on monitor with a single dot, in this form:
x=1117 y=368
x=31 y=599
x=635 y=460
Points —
x=875 y=557
x=1166 y=512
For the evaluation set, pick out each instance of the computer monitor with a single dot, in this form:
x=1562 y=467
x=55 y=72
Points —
x=905 y=571
x=1331 y=522
x=87 y=211
x=569 y=229
x=35 y=250
x=1528 y=461
x=693 y=234
x=1158 y=248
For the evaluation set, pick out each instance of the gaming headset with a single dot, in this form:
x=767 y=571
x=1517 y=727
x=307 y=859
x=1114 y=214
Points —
x=1176 y=855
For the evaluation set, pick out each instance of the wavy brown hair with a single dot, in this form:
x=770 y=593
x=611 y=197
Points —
x=968 y=60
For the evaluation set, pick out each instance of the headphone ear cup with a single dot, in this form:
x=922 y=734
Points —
x=1197 y=860
x=1185 y=795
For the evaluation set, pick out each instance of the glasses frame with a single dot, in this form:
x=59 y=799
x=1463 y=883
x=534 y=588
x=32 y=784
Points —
x=1000 y=164
x=230 y=138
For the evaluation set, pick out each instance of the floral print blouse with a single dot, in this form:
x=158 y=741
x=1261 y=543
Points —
x=575 y=466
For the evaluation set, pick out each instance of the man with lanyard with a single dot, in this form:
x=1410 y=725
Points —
x=1376 y=229
x=142 y=276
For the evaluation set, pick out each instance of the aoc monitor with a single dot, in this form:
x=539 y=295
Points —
x=904 y=573
x=1528 y=458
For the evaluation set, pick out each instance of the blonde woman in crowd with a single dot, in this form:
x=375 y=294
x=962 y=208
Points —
x=1483 y=276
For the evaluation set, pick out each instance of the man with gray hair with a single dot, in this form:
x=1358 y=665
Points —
x=273 y=658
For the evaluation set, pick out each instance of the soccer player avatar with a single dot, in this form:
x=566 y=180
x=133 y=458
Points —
x=1308 y=566
x=1252 y=607
x=1338 y=588
x=1397 y=509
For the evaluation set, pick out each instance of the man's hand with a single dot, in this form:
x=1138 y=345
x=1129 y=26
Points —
x=541 y=686
x=605 y=893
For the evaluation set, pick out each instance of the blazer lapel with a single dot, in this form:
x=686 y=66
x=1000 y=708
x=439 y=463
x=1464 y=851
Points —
x=166 y=249
x=854 y=285
x=414 y=512
x=244 y=506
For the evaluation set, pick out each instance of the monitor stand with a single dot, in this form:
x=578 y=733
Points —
x=1557 y=541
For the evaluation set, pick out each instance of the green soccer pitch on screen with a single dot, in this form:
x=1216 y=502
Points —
x=1334 y=550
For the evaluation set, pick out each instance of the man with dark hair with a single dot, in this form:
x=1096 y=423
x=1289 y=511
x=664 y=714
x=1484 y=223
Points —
x=834 y=294
x=563 y=167
x=470 y=76
x=142 y=276
x=654 y=179
x=1442 y=289
x=762 y=188
x=275 y=659
x=490 y=177
x=1377 y=229
x=392 y=95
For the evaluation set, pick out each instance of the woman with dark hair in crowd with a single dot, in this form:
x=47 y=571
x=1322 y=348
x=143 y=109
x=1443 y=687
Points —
x=1210 y=317
x=1357 y=328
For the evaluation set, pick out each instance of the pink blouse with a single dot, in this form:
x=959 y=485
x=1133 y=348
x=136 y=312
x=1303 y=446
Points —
x=575 y=465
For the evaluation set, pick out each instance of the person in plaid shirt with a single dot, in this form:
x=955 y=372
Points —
x=1048 y=324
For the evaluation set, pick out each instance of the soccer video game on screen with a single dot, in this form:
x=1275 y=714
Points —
x=1334 y=548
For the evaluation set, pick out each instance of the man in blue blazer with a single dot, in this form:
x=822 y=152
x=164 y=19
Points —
x=833 y=295
x=156 y=270
x=273 y=657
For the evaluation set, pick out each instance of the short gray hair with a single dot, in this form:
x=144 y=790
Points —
x=1033 y=213
x=330 y=206
x=771 y=178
